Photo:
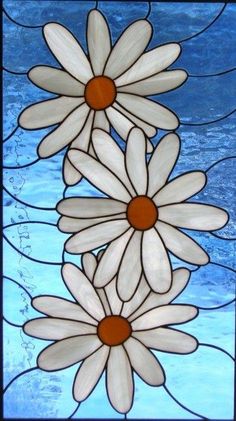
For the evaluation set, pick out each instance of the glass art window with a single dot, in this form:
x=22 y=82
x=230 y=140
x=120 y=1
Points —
x=119 y=210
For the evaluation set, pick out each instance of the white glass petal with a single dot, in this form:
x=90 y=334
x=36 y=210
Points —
x=180 y=280
x=150 y=63
x=64 y=309
x=167 y=340
x=119 y=380
x=67 y=352
x=114 y=300
x=103 y=298
x=181 y=245
x=65 y=133
x=56 y=81
x=119 y=122
x=57 y=329
x=109 y=263
x=139 y=297
x=157 y=84
x=194 y=216
x=83 y=291
x=82 y=141
x=101 y=122
x=150 y=131
x=96 y=236
x=181 y=188
x=98 y=40
x=162 y=162
x=99 y=255
x=151 y=112
x=89 y=373
x=130 y=269
x=89 y=264
x=89 y=207
x=99 y=175
x=68 y=224
x=48 y=113
x=70 y=174
x=166 y=315
x=68 y=51
x=136 y=160
x=144 y=363
x=128 y=48
x=155 y=261
x=110 y=154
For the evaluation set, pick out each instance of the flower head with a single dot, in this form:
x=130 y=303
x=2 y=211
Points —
x=107 y=87
x=107 y=335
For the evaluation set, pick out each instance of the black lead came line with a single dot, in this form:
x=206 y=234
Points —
x=11 y=134
x=208 y=122
x=224 y=72
x=20 y=24
x=27 y=204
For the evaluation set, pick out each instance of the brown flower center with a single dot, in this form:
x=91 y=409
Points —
x=100 y=92
x=142 y=213
x=114 y=330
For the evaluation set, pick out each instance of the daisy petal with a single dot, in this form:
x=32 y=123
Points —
x=130 y=269
x=65 y=133
x=67 y=352
x=47 y=113
x=194 y=216
x=150 y=63
x=101 y=122
x=68 y=51
x=144 y=363
x=99 y=175
x=150 y=131
x=89 y=373
x=64 y=309
x=89 y=207
x=80 y=287
x=96 y=236
x=119 y=122
x=109 y=154
x=167 y=340
x=82 y=140
x=56 y=329
x=156 y=264
x=149 y=111
x=181 y=245
x=74 y=225
x=161 y=82
x=181 y=188
x=166 y=315
x=128 y=48
x=99 y=255
x=136 y=160
x=162 y=162
x=109 y=263
x=114 y=301
x=70 y=174
x=119 y=380
x=180 y=279
x=103 y=299
x=56 y=81
x=89 y=264
x=98 y=40
x=142 y=292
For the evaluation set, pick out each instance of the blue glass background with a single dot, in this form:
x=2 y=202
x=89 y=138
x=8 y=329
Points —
x=202 y=381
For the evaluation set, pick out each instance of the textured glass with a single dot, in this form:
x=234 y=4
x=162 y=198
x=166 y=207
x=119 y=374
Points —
x=203 y=381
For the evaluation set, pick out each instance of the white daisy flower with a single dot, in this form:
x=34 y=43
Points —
x=107 y=335
x=141 y=217
x=107 y=87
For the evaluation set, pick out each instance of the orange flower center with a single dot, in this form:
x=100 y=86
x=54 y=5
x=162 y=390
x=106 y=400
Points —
x=100 y=92
x=142 y=213
x=114 y=330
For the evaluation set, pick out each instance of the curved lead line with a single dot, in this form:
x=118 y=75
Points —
x=183 y=406
x=5 y=167
x=13 y=72
x=27 y=204
x=11 y=134
x=18 y=23
x=223 y=266
x=64 y=192
x=147 y=15
x=30 y=258
x=76 y=409
x=217 y=307
x=222 y=238
x=207 y=27
x=21 y=286
x=218 y=348
x=19 y=375
x=218 y=162
x=10 y=323
x=214 y=74
x=208 y=122
x=29 y=222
